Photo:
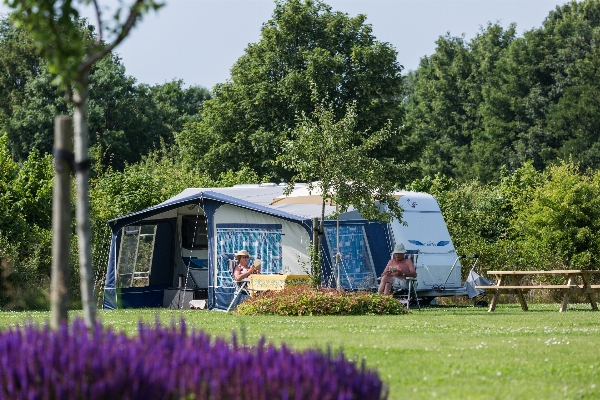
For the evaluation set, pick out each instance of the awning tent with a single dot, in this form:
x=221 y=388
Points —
x=234 y=217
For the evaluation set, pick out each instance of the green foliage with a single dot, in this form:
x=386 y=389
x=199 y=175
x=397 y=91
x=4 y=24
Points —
x=241 y=176
x=304 y=43
x=444 y=107
x=315 y=268
x=339 y=158
x=25 y=229
x=149 y=182
x=529 y=220
x=126 y=120
x=560 y=227
x=68 y=45
x=26 y=197
x=502 y=100
x=30 y=100
x=305 y=300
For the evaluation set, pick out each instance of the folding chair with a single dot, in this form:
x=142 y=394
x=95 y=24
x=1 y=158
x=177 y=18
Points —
x=413 y=255
x=241 y=287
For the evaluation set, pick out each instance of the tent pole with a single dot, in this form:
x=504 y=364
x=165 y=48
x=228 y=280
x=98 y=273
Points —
x=338 y=255
x=315 y=240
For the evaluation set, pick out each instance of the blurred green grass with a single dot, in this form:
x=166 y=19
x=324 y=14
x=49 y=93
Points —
x=447 y=352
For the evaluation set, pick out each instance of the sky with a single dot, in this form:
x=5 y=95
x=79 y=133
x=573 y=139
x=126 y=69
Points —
x=198 y=41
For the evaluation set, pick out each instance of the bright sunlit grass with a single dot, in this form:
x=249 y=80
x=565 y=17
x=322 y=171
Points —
x=446 y=352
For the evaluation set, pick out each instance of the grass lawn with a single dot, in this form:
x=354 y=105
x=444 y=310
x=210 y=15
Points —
x=443 y=352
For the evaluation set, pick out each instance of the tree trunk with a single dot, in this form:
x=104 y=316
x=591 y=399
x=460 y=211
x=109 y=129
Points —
x=61 y=220
x=82 y=165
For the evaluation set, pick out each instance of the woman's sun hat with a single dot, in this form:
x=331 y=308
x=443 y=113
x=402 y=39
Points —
x=241 y=253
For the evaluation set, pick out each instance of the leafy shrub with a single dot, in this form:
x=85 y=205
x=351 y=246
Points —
x=559 y=228
x=530 y=220
x=25 y=229
x=305 y=300
x=169 y=363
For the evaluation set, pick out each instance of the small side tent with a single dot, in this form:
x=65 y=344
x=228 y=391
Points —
x=178 y=250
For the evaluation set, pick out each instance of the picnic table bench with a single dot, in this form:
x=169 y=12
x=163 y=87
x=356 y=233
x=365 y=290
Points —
x=510 y=282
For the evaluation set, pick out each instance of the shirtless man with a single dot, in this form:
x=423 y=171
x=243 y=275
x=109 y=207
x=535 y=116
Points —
x=397 y=268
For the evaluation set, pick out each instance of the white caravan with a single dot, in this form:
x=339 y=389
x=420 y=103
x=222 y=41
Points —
x=438 y=266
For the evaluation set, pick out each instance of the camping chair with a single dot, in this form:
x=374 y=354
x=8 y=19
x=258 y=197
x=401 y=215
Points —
x=413 y=255
x=241 y=287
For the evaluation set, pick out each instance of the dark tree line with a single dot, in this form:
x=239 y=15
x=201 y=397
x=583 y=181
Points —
x=501 y=100
x=127 y=120
x=472 y=107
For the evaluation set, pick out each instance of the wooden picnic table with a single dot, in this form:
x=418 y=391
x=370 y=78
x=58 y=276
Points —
x=511 y=282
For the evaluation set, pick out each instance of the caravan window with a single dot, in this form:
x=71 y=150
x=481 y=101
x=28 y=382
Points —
x=356 y=270
x=135 y=256
x=194 y=235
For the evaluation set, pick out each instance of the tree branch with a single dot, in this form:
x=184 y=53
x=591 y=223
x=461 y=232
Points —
x=129 y=23
x=99 y=41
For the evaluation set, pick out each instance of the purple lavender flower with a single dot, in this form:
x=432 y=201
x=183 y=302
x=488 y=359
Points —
x=169 y=363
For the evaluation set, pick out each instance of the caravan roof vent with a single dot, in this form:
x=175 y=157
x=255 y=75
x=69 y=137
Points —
x=268 y=184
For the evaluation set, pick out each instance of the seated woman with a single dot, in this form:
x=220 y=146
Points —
x=242 y=270
x=397 y=268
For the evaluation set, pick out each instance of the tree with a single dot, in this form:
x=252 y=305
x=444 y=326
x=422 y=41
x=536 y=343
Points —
x=121 y=112
x=56 y=29
x=25 y=228
x=128 y=121
x=560 y=226
x=446 y=105
x=30 y=101
x=335 y=157
x=501 y=100
x=304 y=43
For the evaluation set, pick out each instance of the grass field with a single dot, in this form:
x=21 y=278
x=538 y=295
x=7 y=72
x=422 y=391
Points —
x=444 y=352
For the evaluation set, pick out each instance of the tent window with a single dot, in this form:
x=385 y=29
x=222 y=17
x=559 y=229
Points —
x=135 y=257
x=263 y=241
x=356 y=270
x=194 y=235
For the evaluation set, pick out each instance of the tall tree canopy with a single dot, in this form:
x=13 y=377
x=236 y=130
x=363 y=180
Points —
x=305 y=42
x=503 y=100
x=127 y=120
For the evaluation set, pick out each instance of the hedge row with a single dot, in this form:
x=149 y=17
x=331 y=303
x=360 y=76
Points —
x=305 y=300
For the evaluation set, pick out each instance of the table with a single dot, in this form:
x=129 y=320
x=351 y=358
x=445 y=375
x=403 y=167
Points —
x=262 y=282
x=510 y=282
